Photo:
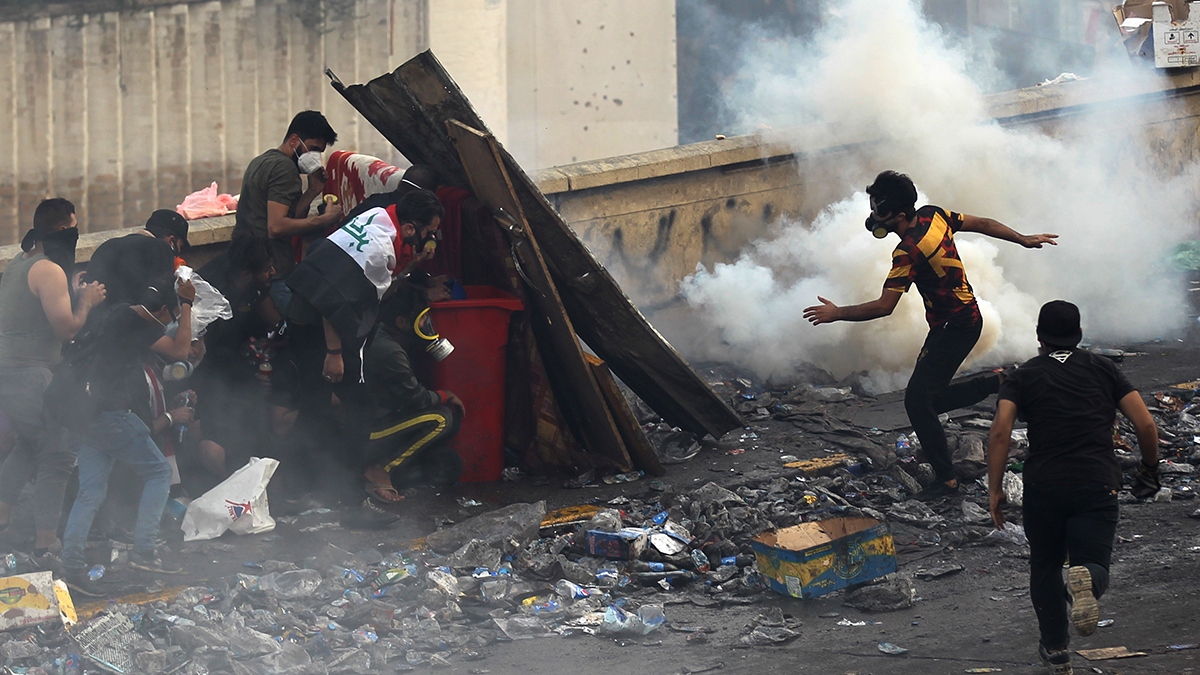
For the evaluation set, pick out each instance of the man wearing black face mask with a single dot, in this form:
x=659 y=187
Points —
x=36 y=317
x=928 y=257
x=272 y=205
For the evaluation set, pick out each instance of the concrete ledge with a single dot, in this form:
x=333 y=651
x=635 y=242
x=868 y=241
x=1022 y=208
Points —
x=202 y=232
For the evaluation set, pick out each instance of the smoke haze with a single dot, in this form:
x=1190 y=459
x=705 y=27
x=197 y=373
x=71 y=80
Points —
x=878 y=70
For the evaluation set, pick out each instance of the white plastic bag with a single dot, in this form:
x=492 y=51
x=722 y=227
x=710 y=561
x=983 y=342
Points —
x=209 y=304
x=239 y=503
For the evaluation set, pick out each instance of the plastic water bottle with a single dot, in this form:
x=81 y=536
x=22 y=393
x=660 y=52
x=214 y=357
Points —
x=96 y=573
x=903 y=446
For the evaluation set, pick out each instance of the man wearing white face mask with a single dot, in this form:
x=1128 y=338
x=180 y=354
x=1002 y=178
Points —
x=272 y=204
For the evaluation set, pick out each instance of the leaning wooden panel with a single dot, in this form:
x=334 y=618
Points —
x=490 y=184
x=408 y=106
x=639 y=447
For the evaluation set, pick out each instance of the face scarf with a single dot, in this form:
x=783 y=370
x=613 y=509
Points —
x=58 y=246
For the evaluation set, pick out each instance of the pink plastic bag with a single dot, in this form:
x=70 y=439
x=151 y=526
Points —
x=206 y=203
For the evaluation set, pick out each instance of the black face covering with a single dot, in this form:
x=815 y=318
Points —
x=59 y=246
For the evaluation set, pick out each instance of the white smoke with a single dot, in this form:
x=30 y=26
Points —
x=879 y=71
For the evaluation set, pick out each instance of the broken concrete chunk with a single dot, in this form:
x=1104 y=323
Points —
x=713 y=493
x=895 y=593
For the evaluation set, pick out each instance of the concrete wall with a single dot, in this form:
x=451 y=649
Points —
x=652 y=217
x=589 y=79
x=124 y=110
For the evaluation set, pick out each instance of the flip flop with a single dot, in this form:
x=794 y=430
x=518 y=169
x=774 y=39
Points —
x=377 y=491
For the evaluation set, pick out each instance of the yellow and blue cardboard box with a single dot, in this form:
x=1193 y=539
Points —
x=812 y=559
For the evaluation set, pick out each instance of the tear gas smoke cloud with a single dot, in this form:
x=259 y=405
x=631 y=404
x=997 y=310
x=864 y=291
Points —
x=879 y=71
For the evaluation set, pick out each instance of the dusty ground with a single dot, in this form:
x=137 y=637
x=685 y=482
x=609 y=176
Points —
x=978 y=618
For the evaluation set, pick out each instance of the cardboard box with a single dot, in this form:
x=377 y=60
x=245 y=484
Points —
x=813 y=559
x=625 y=544
x=1176 y=41
x=27 y=599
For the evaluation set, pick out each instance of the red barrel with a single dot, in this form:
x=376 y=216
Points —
x=478 y=329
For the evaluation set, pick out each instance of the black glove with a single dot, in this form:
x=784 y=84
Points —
x=1145 y=483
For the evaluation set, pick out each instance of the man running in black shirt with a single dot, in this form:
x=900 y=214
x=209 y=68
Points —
x=1069 y=398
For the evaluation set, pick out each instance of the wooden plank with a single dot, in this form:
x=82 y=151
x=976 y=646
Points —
x=409 y=107
x=640 y=450
x=591 y=413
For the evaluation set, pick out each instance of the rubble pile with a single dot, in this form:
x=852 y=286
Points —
x=506 y=575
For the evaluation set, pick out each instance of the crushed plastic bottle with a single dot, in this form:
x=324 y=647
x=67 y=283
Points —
x=627 y=477
x=570 y=591
x=701 y=560
x=291 y=584
x=618 y=621
x=96 y=573
x=903 y=447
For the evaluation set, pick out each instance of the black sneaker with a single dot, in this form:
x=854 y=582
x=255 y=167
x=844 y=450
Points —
x=150 y=562
x=79 y=583
x=48 y=561
x=937 y=490
x=1085 y=611
x=1057 y=662
x=368 y=516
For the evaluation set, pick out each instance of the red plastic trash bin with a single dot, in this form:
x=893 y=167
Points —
x=478 y=329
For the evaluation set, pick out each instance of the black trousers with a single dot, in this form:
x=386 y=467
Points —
x=930 y=394
x=408 y=446
x=1066 y=521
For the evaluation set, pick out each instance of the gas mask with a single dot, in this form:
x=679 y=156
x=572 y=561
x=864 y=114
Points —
x=173 y=372
x=429 y=242
x=310 y=161
x=436 y=346
x=877 y=227
x=58 y=246
x=880 y=227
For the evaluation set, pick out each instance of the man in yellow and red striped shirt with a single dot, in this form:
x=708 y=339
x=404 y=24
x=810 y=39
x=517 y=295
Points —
x=927 y=257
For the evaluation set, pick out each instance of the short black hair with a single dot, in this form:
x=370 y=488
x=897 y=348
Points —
x=311 y=124
x=249 y=253
x=52 y=214
x=155 y=297
x=894 y=193
x=419 y=207
x=423 y=176
x=406 y=303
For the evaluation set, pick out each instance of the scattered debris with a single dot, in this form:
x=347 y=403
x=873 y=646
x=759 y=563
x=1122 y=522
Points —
x=1108 y=653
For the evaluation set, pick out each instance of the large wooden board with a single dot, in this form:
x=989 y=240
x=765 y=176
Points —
x=584 y=399
x=640 y=450
x=410 y=107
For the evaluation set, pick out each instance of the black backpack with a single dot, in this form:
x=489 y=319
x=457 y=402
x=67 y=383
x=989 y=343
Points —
x=69 y=399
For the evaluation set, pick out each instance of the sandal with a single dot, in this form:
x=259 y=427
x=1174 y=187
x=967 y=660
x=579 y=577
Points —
x=379 y=490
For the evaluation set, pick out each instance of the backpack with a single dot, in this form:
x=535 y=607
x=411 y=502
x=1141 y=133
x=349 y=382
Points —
x=69 y=399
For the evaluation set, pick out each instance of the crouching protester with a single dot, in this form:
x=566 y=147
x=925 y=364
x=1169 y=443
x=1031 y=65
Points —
x=1069 y=398
x=95 y=390
x=409 y=426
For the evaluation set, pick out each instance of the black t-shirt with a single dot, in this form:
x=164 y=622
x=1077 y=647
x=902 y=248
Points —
x=127 y=265
x=123 y=340
x=1069 y=399
x=225 y=337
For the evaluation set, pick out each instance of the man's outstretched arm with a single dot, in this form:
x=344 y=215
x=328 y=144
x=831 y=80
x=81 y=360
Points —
x=998 y=230
x=999 y=439
x=827 y=312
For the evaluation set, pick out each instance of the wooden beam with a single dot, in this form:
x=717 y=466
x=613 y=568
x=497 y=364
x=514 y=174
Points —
x=410 y=107
x=489 y=181
x=640 y=450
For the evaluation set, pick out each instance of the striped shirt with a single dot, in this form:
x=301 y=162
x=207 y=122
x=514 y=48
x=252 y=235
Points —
x=927 y=257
